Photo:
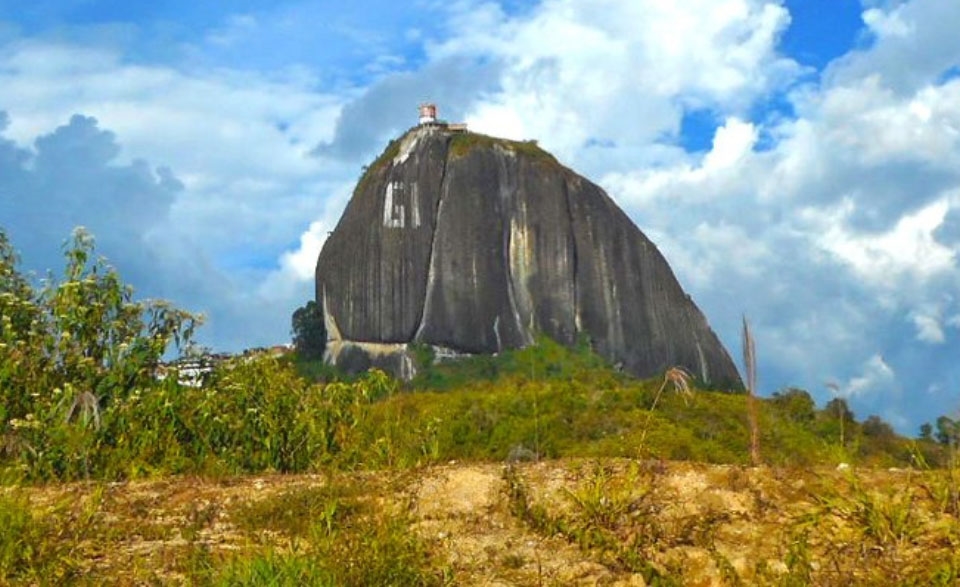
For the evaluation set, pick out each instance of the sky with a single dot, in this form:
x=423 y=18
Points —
x=797 y=162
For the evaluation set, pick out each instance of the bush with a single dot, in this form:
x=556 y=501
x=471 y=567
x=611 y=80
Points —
x=70 y=350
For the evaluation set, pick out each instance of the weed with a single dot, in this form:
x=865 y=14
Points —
x=522 y=507
x=799 y=560
x=513 y=561
x=598 y=521
x=272 y=568
x=42 y=548
x=680 y=380
x=294 y=512
x=337 y=538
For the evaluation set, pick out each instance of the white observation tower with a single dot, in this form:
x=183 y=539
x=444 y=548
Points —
x=428 y=113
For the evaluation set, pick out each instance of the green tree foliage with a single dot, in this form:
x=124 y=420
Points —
x=70 y=348
x=309 y=331
x=83 y=333
x=795 y=404
x=879 y=437
x=948 y=432
x=838 y=409
x=876 y=427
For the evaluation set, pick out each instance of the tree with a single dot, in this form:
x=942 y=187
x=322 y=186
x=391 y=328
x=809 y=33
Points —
x=948 y=432
x=926 y=431
x=81 y=340
x=795 y=404
x=876 y=427
x=309 y=330
x=837 y=408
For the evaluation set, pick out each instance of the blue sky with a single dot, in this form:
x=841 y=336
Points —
x=796 y=161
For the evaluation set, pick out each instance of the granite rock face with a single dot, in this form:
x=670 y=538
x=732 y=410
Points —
x=474 y=245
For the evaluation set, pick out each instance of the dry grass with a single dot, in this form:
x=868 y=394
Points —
x=750 y=369
x=679 y=380
x=573 y=522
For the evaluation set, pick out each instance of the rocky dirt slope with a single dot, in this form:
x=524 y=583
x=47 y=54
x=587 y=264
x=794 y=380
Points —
x=612 y=522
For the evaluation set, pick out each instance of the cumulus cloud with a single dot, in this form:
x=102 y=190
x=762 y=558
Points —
x=876 y=376
x=913 y=43
x=227 y=145
x=71 y=178
x=578 y=73
x=929 y=328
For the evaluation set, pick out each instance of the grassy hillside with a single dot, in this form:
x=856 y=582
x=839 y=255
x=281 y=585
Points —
x=549 y=401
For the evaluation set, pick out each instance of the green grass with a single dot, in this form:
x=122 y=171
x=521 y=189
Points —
x=461 y=144
x=547 y=401
x=42 y=547
x=338 y=535
x=295 y=512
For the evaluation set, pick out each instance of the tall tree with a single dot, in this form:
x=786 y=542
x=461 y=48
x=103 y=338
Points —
x=309 y=331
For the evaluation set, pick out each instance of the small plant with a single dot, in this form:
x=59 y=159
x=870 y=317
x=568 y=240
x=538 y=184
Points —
x=295 y=512
x=513 y=561
x=44 y=549
x=601 y=502
x=611 y=517
x=337 y=537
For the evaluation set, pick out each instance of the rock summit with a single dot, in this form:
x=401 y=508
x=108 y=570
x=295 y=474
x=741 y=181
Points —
x=474 y=244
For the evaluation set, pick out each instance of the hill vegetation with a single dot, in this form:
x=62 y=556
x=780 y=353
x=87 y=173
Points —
x=82 y=401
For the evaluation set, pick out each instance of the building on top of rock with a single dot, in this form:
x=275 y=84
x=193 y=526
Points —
x=428 y=113
x=428 y=117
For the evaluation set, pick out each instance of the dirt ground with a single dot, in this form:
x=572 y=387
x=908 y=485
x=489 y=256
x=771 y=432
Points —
x=700 y=524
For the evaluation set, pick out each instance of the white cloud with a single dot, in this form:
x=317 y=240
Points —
x=881 y=126
x=914 y=42
x=577 y=71
x=887 y=24
x=909 y=251
x=240 y=145
x=717 y=175
x=929 y=329
x=303 y=261
x=732 y=143
x=875 y=377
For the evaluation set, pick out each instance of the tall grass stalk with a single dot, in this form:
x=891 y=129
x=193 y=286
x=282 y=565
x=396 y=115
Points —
x=750 y=368
x=681 y=385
